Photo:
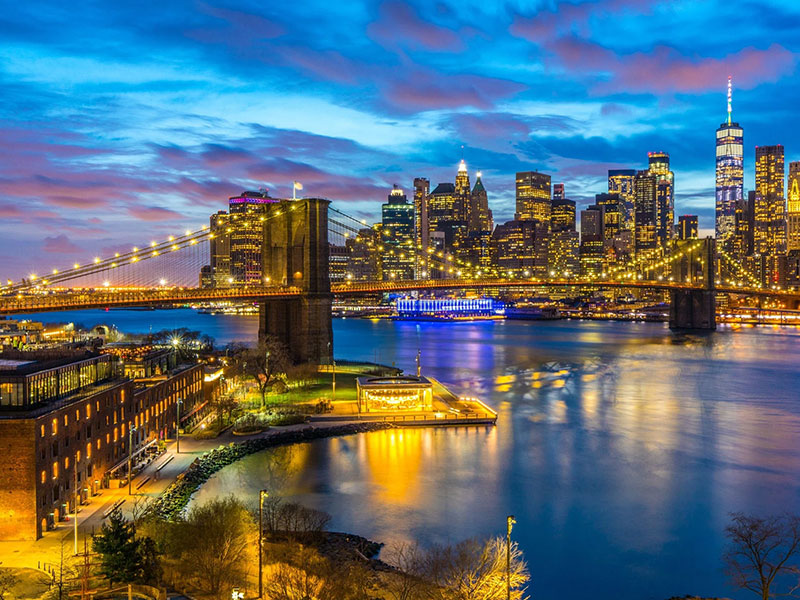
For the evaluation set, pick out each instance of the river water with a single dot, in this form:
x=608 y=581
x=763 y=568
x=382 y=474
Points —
x=621 y=448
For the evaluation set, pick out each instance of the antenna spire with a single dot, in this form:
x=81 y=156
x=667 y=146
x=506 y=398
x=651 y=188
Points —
x=730 y=99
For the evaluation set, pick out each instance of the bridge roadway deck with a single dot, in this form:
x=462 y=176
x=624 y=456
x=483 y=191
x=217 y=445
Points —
x=101 y=298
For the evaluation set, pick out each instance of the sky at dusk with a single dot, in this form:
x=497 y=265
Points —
x=127 y=121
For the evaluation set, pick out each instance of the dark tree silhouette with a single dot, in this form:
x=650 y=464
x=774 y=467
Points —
x=761 y=555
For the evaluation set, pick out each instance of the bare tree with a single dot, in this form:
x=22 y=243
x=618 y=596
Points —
x=65 y=576
x=407 y=582
x=475 y=570
x=299 y=572
x=760 y=554
x=7 y=582
x=267 y=362
x=214 y=542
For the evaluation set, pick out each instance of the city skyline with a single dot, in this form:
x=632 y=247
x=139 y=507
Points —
x=157 y=126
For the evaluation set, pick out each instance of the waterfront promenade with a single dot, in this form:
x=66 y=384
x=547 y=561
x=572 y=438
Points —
x=46 y=551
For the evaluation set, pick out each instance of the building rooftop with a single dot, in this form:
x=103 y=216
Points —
x=24 y=363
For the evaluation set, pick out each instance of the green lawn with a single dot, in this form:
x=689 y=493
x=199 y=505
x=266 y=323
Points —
x=322 y=388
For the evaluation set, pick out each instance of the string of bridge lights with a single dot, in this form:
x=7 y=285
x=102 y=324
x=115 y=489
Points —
x=135 y=255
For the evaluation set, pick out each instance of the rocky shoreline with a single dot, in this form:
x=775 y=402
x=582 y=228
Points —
x=175 y=498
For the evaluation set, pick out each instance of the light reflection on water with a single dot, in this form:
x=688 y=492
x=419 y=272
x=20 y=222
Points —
x=620 y=448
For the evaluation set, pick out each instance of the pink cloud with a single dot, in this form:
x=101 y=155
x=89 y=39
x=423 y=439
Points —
x=327 y=65
x=575 y=18
x=665 y=70
x=60 y=244
x=153 y=213
x=422 y=90
x=399 y=24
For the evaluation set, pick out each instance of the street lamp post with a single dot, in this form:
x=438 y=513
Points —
x=130 y=459
x=178 y=427
x=75 y=524
x=261 y=495
x=333 y=363
x=510 y=520
x=266 y=377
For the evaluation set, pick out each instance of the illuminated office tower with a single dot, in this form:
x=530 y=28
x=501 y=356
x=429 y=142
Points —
x=562 y=215
x=665 y=196
x=463 y=204
x=422 y=187
x=744 y=224
x=620 y=181
x=616 y=240
x=769 y=233
x=562 y=256
x=563 y=253
x=479 y=227
x=246 y=217
x=793 y=213
x=645 y=211
x=730 y=178
x=480 y=215
x=533 y=197
x=363 y=256
x=220 y=250
x=592 y=250
x=397 y=236
x=444 y=216
x=519 y=248
x=687 y=227
x=558 y=191
x=612 y=219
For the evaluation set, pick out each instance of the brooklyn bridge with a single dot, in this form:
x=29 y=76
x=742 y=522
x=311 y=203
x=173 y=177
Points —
x=296 y=292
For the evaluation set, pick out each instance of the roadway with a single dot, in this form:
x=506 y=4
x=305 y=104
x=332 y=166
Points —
x=108 y=298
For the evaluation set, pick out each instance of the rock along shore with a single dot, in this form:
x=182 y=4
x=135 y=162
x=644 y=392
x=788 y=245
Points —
x=175 y=498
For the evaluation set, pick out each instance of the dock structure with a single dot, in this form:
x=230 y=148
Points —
x=409 y=400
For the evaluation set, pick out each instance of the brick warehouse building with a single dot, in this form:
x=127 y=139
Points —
x=65 y=420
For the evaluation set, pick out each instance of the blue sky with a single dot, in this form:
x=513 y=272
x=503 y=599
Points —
x=127 y=121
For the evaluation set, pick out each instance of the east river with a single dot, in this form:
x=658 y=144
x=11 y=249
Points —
x=621 y=448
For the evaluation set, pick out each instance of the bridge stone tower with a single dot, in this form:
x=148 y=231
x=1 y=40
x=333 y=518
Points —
x=694 y=308
x=295 y=253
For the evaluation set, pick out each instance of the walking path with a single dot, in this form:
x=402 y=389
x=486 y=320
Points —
x=47 y=550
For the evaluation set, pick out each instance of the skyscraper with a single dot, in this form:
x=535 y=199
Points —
x=645 y=211
x=793 y=213
x=422 y=188
x=620 y=181
x=480 y=216
x=665 y=196
x=479 y=227
x=562 y=215
x=730 y=177
x=397 y=236
x=220 y=249
x=769 y=233
x=246 y=217
x=592 y=248
x=687 y=227
x=533 y=197
x=463 y=204
x=558 y=191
